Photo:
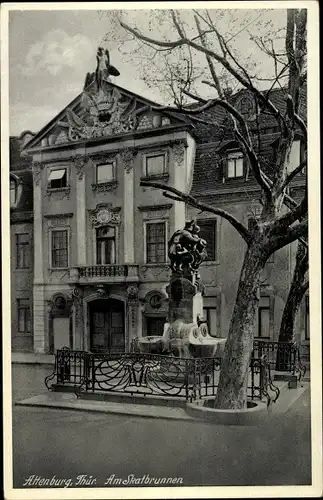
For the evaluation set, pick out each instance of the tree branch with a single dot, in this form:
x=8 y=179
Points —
x=292 y=174
x=190 y=200
x=291 y=234
x=221 y=59
x=245 y=139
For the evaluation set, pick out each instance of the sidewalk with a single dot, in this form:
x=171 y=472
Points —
x=69 y=401
x=30 y=358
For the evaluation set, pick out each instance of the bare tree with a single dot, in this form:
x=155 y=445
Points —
x=275 y=227
x=298 y=288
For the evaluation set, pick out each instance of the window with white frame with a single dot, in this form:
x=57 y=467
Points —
x=155 y=164
x=57 y=178
x=155 y=242
x=234 y=164
x=24 y=316
x=105 y=173
x=59 y=248
x=106 y=245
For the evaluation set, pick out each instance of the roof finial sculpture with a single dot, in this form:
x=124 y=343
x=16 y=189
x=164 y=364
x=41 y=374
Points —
x=103 y=68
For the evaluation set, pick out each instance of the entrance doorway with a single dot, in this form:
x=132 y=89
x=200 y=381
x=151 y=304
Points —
x=107 y=328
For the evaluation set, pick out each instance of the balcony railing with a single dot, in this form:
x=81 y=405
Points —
x=102 y=271
x=125 y=272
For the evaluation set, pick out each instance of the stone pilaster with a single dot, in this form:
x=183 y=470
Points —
x=127 y=157
x=133 y=308
x=40 y=319
x=39 y=312
x=178 y=156
x=79 y=162
x=78 y=318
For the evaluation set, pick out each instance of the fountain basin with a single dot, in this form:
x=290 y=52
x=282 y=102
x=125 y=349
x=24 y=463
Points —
x=151 y=344
x=206 y=347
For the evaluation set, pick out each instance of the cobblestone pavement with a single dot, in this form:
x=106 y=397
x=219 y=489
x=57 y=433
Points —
x=66 y=444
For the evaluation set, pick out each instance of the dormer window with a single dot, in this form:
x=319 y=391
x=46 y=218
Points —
x=235 y=168
x=57 y=178
x=13 y=192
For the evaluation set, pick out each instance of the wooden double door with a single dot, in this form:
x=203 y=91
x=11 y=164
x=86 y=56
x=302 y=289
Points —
x=107 y=326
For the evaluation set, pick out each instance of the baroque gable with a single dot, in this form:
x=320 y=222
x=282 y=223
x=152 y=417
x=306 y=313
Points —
x=102 y=110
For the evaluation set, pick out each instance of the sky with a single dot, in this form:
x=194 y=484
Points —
x=50 y=53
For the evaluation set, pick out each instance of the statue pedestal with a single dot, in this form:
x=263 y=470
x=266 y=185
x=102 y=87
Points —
x=185 y=299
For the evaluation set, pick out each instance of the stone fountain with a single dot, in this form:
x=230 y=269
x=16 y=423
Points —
x=186 y=333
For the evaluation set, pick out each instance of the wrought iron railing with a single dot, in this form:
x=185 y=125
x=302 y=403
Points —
x=281 y=356
x=69 y=368
x=110 y=270
x=153 y=375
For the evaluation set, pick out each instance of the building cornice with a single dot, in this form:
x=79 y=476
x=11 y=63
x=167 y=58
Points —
x=144 y=208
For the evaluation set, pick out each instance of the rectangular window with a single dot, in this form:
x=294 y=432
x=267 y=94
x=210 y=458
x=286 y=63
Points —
x=23 y=251
x=210 y=316
x=307 y=318
x=155 y=164
x=60 y=248
x=105 y=173
x=57 y=178
x=208 y=233
x=264 y=318
x=105 y=246
x=155 y=242
x=24 y=316
x=235 y=164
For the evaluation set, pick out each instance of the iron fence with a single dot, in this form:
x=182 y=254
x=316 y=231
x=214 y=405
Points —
x=69 y=369
x=282 y=356
x=153 y=375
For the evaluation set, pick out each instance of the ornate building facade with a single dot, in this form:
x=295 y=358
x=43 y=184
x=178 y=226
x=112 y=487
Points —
x=99 y=270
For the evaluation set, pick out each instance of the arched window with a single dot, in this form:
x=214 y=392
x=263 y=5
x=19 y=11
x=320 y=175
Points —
x=13 y=191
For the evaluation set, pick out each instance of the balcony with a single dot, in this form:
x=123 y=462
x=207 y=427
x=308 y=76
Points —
x=110 y=273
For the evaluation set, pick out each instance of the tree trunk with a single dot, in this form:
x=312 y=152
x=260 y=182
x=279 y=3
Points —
x=296 y=293
x=233 y=382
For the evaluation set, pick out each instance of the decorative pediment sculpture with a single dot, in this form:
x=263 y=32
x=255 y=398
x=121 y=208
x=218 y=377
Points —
x=103 y=215
x=186 y=250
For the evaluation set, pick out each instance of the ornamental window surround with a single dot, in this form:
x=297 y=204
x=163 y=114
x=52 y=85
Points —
x=58 y=178
x=59 y=239
x=105 y=172
x=106 y=245
x=155 y=236
x=155 y=164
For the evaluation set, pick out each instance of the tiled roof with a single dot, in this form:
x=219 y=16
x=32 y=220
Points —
x=18 y=162
x=208 y=168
